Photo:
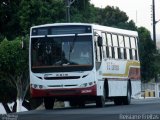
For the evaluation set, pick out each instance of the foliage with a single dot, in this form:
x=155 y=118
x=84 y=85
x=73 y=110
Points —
x=14 y=68
x=7 y=95
x=83 y=11
x=112 y=16
x=128 y=25
x=35 y=12
x=16 y=17
x=12 y=56
x=147 y=58
x=9 y=19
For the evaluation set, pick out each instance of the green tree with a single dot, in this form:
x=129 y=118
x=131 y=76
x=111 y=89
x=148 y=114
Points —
x=14 y=67
x=112 y=16
x=127 y=25
x=83 y=11
x=9 y=19
x=146 y=51
x=36 y=12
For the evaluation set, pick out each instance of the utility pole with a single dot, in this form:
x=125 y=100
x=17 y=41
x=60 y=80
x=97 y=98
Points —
x=154 y=39
x=68 y=5
x=154 y=22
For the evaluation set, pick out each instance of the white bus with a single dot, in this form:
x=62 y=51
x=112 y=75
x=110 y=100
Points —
x=80 y=62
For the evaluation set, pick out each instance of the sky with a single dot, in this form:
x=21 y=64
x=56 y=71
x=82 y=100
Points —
x=137 y=10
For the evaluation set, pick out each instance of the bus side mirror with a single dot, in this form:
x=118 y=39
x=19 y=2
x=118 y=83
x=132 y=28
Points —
x=100 y=41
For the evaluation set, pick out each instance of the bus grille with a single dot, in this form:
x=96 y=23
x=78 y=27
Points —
x=61 y=78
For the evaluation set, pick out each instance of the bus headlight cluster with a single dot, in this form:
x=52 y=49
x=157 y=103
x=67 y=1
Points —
x=35 y=86
x=87 y=84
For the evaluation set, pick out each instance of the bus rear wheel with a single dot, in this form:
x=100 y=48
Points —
x=118 y=101
x=77 y=103
x=49 y=103
x=127 y=99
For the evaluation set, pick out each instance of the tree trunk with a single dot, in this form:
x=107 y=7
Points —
x=14 y=106
x=19 y=104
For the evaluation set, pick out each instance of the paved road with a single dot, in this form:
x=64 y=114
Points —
x=147 y=109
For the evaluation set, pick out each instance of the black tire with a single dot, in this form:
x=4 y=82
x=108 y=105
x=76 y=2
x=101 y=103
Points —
x=81 y=104
x=77 y=103
x=118 y=101
x=100 y=101
x=48 y=103
x=35 y=102
x=73 y=103
x=127 y=99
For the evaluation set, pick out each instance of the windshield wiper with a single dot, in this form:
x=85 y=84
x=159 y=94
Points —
x=72 y=46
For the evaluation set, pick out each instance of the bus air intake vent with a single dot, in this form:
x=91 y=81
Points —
x=62 y=78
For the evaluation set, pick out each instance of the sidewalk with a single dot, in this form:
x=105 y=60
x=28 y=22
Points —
x=2 y=110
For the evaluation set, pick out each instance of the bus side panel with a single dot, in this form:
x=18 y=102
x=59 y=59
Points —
x=100 y=87
x=117 y=87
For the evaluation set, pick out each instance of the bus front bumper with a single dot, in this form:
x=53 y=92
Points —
x=89 y=91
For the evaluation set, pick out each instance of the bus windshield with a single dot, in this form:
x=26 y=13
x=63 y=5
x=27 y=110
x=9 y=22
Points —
x=65 y=53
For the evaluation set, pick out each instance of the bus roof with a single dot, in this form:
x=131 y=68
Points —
x=95 y=27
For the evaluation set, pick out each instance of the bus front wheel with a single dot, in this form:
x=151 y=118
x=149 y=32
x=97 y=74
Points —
x=48 y=103
x=100 y=101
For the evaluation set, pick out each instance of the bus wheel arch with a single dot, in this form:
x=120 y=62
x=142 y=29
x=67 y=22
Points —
x=100 y=100
x=106 y=88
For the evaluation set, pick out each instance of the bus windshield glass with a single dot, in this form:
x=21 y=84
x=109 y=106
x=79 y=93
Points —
x=65 y=53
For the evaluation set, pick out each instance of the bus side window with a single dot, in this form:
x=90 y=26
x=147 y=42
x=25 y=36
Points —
x=113 y=52
x=115 y=45
x=131 y=55
x=104 y=45
x=136 y=49
x=125 y=54
x=133 y=42
x=128 y=54
x=121 y=46
x=116 y=52
x=119 y=53
x=127 y=46
x=136 y=55
x=107 y=51
x=133 y=48
x=122 y=53
x=109 y=43
x=127 y=43
x=96 y=51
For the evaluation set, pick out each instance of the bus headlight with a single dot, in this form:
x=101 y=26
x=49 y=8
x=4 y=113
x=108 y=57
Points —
x=83 y=85
x=87 y=84
x=35 y=86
